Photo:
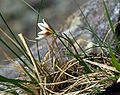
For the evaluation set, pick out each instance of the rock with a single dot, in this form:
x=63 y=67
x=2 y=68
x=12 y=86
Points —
x=94 y=12
x=76 y=24
x=9 y=72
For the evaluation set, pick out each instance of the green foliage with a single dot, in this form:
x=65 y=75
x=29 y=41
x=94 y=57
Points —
x=43 y=81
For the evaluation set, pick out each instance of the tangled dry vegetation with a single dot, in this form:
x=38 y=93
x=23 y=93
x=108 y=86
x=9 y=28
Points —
x=71 y=78
x=63 y=70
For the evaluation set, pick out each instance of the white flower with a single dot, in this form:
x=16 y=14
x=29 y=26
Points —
x=45 y=30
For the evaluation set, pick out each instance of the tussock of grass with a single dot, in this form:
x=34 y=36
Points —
x=60 y=74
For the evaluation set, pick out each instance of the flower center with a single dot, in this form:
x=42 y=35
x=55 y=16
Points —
x=48 y=33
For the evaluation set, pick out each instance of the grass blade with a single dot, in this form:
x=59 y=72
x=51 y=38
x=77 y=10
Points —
x=37 y=42
x=74 y=55
x=30 y=54
x=11 y=31
x=78 y=45
x=17 y=46
x=16 y=83
x=111 y=24
x=30 y=6
x=16 y=55
x=115 y=63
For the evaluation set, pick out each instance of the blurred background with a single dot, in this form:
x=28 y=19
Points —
x=22 y=18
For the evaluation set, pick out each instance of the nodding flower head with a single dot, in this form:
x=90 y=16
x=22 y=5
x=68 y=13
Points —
x=45 y=30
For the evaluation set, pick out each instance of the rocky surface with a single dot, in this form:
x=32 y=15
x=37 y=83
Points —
x=94 y=12
x=75 y=23
x=23 y=19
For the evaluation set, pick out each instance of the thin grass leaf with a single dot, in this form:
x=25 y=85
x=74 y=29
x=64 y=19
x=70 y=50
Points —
x=87 y=22
x=109 y=79
x=90 y=28
x=30 y=54
x=33 y=60
x=27 y=72
x=64 y=44
x=11 y=31
x=37 y=42
x=87 y=69
x=18 y=80
x=20 y=67
x=16 y=55
x=30 y=6
x=108 y=16
x=71 y=42
x=110 y=23
x=78 y=44
x=8 y=27
x=17 y=46
x=77 y=56
x=16 y=83
x=115 y=63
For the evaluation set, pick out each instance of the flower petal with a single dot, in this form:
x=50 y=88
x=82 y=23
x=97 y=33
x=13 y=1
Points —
x=41 y=26
x=40 y=37
x=45 y=24
x=42 y=32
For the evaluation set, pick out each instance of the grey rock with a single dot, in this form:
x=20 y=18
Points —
x=9 y=71
x=76 y=25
